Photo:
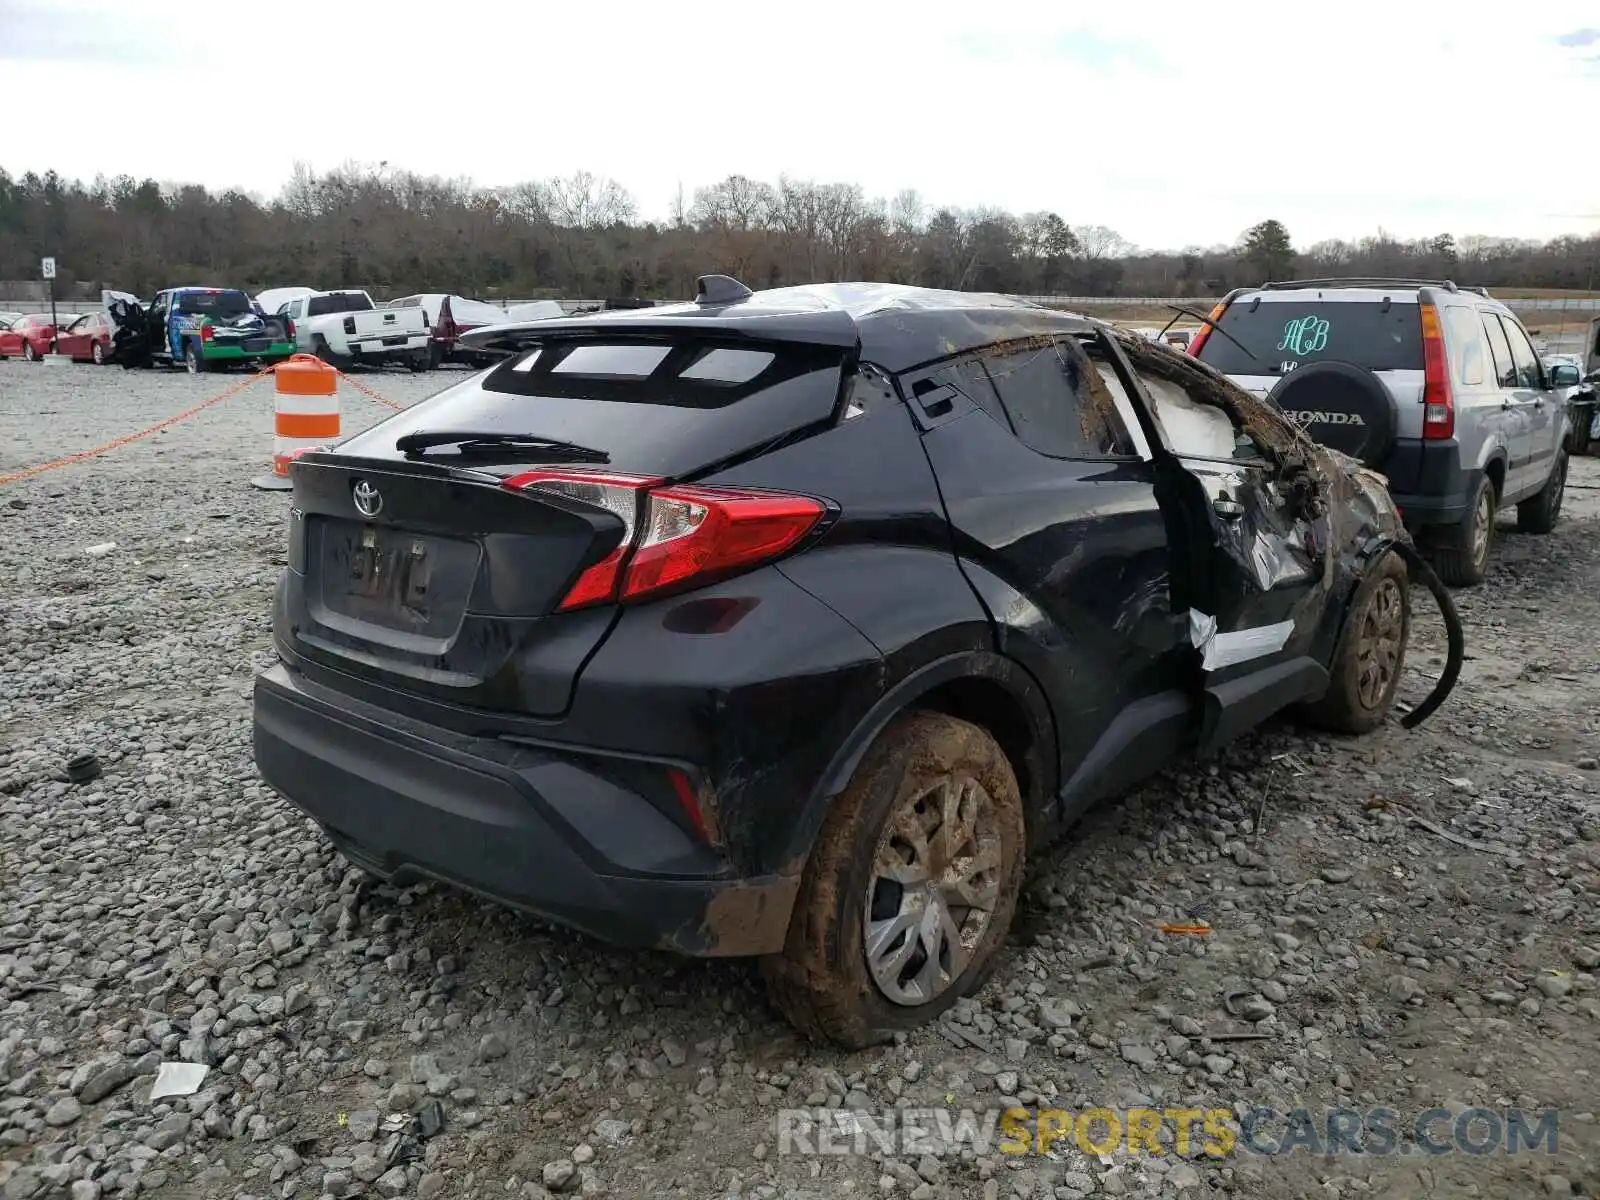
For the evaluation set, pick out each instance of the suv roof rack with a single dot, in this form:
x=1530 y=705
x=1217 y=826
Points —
x=1448 y=285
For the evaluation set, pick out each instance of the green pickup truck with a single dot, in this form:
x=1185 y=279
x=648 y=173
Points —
x=204 y=329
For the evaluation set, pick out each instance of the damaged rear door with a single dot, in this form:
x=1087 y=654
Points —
x=1057 y=526
x=1247 y=551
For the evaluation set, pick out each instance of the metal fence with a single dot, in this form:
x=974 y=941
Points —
x=1576 y=304
x=34 y=299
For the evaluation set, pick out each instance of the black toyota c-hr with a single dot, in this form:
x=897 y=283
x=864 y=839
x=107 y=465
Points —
x=788 y=624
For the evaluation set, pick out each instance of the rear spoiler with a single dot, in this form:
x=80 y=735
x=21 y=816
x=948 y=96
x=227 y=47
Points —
x=825 y=327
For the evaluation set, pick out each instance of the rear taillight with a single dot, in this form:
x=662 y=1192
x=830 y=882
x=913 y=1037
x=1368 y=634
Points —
x=288 y=330
x=206 y=333
x=1438 y=405
x=1199 y=339
x=674 y=537
x=350 y=325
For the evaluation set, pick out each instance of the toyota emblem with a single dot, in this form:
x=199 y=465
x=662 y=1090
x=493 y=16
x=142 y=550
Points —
x=369 y=500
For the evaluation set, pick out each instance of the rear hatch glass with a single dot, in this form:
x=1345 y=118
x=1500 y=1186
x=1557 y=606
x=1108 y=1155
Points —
x=419 y=568
x=219 y=306
x=1271 y=338
x=662 y=407
x=338 y=302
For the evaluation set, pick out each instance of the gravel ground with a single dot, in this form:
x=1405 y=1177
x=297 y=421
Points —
x=174 y=910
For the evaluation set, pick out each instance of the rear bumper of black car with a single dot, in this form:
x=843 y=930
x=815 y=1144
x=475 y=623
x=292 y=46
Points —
x=548 y=832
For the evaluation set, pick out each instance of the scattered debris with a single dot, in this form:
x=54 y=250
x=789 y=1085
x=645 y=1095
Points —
x=1455 y=838
x=178 y=1079
x=82 y=768
x=429 y=1120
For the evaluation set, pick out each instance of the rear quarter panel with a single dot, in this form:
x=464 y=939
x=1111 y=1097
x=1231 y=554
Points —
x=887 y=565
x=1483 y=424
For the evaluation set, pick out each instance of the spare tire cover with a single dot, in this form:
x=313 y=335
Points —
x=1342 y=405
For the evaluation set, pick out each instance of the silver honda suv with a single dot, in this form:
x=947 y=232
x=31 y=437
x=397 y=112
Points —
x=1435 y=386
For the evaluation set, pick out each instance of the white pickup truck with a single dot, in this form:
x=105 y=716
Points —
x=345 y=327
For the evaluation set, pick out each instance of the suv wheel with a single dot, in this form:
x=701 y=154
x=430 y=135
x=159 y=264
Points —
x=1539 y=514
x=1464 y=560
x=910 y=888
x=1372 y=649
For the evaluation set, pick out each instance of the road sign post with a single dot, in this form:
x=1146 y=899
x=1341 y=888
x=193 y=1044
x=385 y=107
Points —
x=47 y=268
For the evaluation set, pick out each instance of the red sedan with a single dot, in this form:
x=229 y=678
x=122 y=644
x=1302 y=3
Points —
x=27 y=337
x=86 y=339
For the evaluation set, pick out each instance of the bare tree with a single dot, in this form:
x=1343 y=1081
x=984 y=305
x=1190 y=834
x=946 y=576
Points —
x=1097 y=242
x=736 y=203
x=587 y=201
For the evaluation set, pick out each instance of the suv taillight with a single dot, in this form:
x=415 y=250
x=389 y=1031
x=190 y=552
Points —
x=1438 y=405
x=1199 y=339
x=675 y=537
x=206 y=333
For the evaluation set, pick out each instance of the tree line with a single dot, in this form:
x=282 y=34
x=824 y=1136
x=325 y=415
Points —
x=582 y=237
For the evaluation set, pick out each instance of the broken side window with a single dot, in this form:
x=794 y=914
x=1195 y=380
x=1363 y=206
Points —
x=969 y=378
x=1051 y=402
x=1195 y=429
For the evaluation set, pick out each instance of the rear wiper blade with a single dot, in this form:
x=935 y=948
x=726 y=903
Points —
x=480 y=441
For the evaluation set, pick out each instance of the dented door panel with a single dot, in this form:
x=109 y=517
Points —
x=1070 y=558
x=1267 y=540
x=1267 y=555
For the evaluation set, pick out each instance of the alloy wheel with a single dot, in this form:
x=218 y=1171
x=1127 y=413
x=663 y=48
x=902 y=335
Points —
x=1380 y=642
x=934 y=887
x=1482 y=527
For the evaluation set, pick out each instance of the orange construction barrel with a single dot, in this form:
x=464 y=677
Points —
x=305 y=414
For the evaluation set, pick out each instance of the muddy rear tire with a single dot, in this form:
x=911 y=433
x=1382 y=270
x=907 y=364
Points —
x=1463 y=559
x=910 y=888
x=1539 y=514
x=1366 y=668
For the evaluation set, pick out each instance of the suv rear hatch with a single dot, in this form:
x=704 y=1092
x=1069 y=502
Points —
x=1262 y=336
x=484 y=558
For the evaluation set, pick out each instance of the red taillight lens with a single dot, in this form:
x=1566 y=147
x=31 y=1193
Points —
x=1199 y=339
x=622 y=494
x=674 y=537
x=1438 y=405
x=205 y=333
x=288 y=329
x=693 y=533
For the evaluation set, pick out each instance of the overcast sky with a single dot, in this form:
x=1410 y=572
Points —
x=1172 y=123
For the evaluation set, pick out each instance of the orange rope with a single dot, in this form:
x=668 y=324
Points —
x=126 y=439
x=368 y=392
x=53 y=464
